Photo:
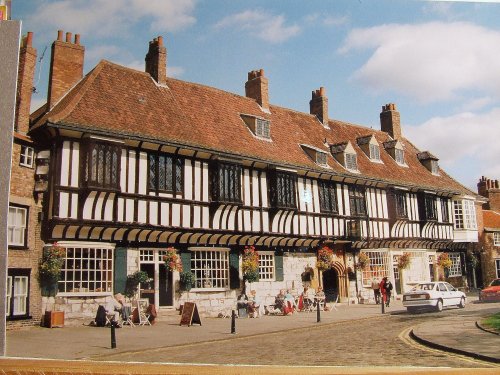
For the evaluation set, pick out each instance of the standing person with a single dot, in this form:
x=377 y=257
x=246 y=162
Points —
x=376 y=290
x=382 y=289
x=388 y=291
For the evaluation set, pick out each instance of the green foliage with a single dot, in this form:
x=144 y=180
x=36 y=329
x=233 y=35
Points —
x=187 y=280
x=493 y=321
x=133 y=281
x=49 y=267
x=250 y=264
x=251 y=276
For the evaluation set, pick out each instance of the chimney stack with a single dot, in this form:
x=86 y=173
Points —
x=390 y=121
x=26 y=73
x=318 y=105
x=156 y=61
x=491 y=190
x=66 y=66
x=257 y=88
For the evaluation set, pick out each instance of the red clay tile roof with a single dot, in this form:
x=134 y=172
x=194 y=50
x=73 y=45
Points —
x=119 y=101
x=491 y=219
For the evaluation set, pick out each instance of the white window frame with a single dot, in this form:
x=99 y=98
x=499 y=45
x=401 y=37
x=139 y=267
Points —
x=374 y=152
x=496 y=238
x=20 y=296
x=321 y=158
x=351 y=161
x=17 y=223
x=211 y=268
x=27 y=156
x=434 y=167
x=380 y=266
x=456 y=265
x=399 y=156
x=96 y=280
x=464 y=214
x=267 y=266
x=262 y=128
x=8 y=295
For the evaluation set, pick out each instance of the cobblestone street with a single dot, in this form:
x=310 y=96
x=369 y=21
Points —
x=372 y=342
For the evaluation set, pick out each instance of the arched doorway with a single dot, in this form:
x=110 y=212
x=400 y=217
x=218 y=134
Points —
x=330 y=284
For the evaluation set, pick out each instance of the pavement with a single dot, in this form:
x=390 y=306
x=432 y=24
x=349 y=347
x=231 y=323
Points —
x=454 y=333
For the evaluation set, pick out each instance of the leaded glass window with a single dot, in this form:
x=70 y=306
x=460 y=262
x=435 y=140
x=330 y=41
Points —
x=165 y=173
x=102 y=165
x=283 y=190
x=327 y=196
x=357 y=200
x=226 y=183
x=401 y=211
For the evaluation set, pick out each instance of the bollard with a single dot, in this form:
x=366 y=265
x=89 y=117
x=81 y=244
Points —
x=233 y=321
x=318 y=314
x=383 y=303
x=113 y=336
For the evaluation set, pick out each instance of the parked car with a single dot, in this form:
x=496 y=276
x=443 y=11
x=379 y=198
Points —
x=491 y=293
x=434 y=295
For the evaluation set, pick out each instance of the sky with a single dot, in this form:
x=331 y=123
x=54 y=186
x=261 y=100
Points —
x=438 y=61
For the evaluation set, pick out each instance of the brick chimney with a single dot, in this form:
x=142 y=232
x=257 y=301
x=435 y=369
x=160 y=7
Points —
x=390 y=121
x=318 y=105
x=491 y=190
x=66 y=66
x=156 y=61
x=257 y=88
x=26 y=73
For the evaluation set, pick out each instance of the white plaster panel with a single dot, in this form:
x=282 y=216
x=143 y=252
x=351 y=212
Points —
x=176 y=215
x=197 y=179
x=263 y=184
x=131 y=172
x=143 y=172
x=63 y=205
x=65 y=171
x=255 y=189
x=120 y=210
x=74 y=206
x=75 y=162
x=142 y=211
x=123 y=171
x=129 y=210
x=188 y=180
x=186 y=216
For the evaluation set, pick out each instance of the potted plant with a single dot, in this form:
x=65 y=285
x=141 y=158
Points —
x=325 y=258
x=49 y=268
x=250 y=264
x=133 y=281
x=172 y=260
x=187 y=280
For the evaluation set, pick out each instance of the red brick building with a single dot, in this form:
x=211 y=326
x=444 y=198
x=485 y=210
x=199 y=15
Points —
x=24 y=238
x=489 y=235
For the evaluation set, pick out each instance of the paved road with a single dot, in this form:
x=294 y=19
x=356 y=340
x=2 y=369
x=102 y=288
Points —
x=352 y=336
x=378 y=341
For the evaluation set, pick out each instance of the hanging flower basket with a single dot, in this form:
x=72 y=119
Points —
x=250 y=264
x=325 y=258
x=363 y=261
x=404 y=261
x=172 y=260
x=444 y=261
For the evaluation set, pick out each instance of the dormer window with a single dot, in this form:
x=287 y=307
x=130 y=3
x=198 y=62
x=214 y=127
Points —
x=370 y=147
x=260 y=127
x=345 y=154
x=429 y=161
x=375 y=152
x=399 y=156
x=319 y=156
x=351 y=162
x=396 y=150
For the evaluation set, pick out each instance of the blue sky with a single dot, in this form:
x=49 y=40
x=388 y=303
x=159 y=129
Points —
x=438 y=61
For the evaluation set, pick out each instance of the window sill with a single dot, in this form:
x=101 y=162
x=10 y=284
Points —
x=204 y=290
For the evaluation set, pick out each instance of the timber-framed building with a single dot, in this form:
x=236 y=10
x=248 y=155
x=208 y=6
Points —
x=139 y=162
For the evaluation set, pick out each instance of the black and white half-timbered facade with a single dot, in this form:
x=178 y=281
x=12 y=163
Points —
x=139 y=162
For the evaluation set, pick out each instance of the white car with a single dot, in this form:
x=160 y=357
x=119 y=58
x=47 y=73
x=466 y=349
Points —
x=434 y=295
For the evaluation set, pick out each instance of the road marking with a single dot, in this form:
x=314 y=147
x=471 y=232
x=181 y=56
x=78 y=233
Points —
x=406 y=338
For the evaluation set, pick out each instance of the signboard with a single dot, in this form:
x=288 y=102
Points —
x=190 y=314
x=307 y=196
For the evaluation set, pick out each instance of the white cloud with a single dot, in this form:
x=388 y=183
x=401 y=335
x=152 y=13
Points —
x=465 y=143
x=265 y=26
x=431 y=61
x=104 y=17
x=327 y=20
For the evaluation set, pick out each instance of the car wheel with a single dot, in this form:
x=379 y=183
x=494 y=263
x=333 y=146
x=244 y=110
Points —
x=439 y=305
x=462 y=303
